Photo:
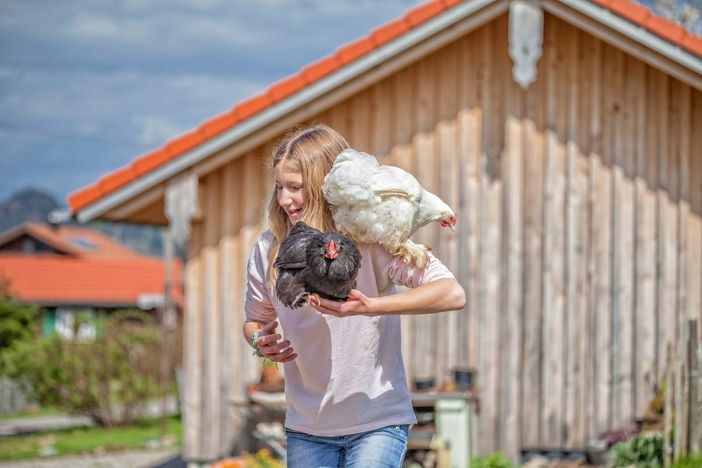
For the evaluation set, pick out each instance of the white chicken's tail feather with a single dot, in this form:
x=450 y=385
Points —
x=414 y=254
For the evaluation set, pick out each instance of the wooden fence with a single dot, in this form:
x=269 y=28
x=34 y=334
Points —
x=683 y=401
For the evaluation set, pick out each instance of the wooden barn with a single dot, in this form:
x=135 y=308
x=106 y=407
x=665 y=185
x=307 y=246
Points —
x=566 y=134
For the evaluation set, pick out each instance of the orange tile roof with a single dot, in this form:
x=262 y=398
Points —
x=98 y=271
x=379 y=37
x=54 y=279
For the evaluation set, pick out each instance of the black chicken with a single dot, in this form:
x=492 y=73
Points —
x=312 y=264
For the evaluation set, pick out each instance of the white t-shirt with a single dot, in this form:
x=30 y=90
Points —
x=348 y=376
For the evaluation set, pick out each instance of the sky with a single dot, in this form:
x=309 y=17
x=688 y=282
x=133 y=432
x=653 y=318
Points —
x=88 y=86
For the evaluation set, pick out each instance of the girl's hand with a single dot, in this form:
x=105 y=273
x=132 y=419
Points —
x=356 y=304
x=269 y=346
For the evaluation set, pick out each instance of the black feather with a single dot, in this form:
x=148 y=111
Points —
x=304 y=270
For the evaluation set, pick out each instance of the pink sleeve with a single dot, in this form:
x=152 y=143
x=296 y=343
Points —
x=410 y=276
x=258 y=305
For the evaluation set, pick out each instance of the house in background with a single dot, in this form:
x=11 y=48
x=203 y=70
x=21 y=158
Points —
x=565 y=134
x=71 y=270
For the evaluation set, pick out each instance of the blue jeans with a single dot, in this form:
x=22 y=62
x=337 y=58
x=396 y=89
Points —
x=384 y=447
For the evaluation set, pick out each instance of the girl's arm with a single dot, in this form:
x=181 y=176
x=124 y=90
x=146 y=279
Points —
x=437 y=296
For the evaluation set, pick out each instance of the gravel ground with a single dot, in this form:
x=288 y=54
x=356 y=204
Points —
x=126 y=459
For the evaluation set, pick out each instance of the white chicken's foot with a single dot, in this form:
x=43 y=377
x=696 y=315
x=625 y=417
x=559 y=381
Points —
x=415 y=254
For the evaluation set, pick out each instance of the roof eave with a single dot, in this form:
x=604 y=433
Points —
x=635 y=32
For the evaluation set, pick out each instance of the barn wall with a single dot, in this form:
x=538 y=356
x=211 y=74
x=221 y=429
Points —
x=579 y=239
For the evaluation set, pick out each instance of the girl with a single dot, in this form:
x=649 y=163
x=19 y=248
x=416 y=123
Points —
x=345 y=384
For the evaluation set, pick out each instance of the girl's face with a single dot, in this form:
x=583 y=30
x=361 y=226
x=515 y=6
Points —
x=289 y=189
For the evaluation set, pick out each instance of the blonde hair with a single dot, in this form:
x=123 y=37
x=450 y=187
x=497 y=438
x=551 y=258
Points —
x=311 y=151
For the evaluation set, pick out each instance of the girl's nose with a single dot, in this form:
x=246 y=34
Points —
x=284 y=198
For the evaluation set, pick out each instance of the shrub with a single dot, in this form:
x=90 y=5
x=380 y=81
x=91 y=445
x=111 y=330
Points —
x=494 y=460
x=107 y=378
x=17 y=322
x=644 y=450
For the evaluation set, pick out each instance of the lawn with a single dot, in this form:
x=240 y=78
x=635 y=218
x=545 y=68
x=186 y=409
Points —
x=89 y=440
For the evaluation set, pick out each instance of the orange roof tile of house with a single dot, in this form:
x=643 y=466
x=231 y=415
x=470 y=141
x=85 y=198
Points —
x=627 y=9
x=47 y=279
x=87 y=268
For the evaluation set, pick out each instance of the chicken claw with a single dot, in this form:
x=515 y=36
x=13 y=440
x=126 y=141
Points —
x=305 y=297
x=314 y=298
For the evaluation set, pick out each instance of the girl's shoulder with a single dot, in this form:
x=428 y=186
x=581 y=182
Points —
x=263 y=243
x=266 y=238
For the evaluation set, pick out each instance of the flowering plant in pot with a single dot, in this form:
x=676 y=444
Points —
x=598 y=450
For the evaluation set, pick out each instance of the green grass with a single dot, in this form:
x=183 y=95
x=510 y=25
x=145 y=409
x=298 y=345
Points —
x=89 y=440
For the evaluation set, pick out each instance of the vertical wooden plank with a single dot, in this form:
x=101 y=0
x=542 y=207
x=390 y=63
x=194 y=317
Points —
x=553 y=242
x=229 y=331
x=600 y=266
x=534 y=165
x=672 y=151
x=401 y=156
x=580 y=320
x=423 y=156
x=574 y=246
x=404 y=90
x=682 y=131
x=488 y=357
x=666 y=220
x=493 y=201
x=511 y=335
x=470 y=144
x=448 y=172
x=256 y=185
x=239 y=272
x=382 y=118
x=192 y=348
x=644 y=245
x=462 y=320
x=359 y=134
x=622 y=244
x=212 y=319
x=338 y=118
x=627 y=389
x=695 y=215
x=616 y=145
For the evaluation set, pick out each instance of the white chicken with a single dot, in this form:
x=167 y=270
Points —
x=381 y=204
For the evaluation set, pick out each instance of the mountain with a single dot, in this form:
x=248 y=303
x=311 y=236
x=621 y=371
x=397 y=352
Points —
x=33 y=204
x=30 y=204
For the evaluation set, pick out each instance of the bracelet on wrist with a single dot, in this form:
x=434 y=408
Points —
x=256 y=351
